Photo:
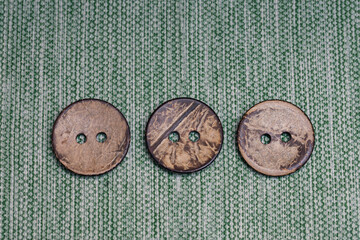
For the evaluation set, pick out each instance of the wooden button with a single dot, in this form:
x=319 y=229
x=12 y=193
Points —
x=90 y=137
x=275 y=137
x=184 y=135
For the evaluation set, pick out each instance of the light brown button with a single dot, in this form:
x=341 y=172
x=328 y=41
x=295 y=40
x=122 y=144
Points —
x=275 y=137
x=184 y=135
x=90 y=137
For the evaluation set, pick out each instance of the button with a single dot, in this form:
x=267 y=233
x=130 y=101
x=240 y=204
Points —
x=275 y=137
x=90 y=137
x=184 y=135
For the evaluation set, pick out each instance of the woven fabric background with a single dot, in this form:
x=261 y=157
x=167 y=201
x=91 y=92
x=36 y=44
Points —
x=136 y=55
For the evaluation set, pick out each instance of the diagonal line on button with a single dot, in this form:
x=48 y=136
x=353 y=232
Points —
x=174 y=125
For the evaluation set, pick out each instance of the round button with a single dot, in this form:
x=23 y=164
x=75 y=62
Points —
x=90 y=137
x=184 y=135
x=275 y=137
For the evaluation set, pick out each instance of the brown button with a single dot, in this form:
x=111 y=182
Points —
x=184 y=135
x=275 y=137
x=90 y=137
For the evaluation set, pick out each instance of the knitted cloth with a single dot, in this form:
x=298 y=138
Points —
x=138 y=54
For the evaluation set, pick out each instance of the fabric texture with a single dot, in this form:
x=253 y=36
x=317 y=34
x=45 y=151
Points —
x=138 y=54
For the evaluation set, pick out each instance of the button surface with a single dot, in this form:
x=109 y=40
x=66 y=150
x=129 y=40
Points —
x=184 y=135
x=275 y=137
x=90 y=137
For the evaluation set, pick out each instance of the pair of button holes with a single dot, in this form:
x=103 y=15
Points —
x=194 y=136
x=266 y=138
x=100 y=137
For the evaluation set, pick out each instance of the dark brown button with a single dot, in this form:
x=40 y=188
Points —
x=90 y=137
x=184 y=135
x=275 y=137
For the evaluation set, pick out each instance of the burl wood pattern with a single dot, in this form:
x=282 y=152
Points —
x=275 y=117
x=183 y=116
x=90 y=117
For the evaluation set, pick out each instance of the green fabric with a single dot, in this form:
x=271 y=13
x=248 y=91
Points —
x=136 y=55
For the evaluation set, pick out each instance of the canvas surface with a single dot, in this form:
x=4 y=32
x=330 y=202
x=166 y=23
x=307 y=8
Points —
x=138 y=54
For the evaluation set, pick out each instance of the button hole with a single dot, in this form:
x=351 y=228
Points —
x=194 y=136
x=265 y=139
x=101 y=137
x=174 y=137
x=285 y=137
x=81 y=138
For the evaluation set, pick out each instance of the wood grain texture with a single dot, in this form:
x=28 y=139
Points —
x=183 y=116
x=275 y=117
x=90 y=117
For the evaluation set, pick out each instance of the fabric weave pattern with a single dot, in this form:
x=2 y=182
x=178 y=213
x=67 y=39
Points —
x=138 y=54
